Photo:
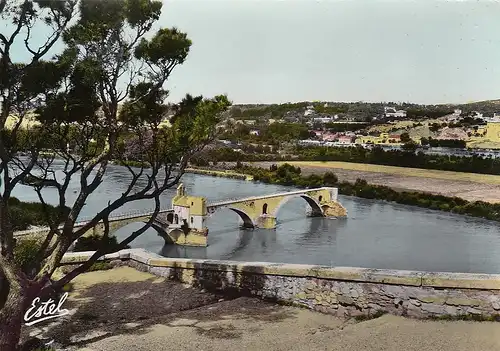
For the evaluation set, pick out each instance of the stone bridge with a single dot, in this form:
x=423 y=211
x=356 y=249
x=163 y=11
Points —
x=185 y=223
x=115 y=223
x=190 y=212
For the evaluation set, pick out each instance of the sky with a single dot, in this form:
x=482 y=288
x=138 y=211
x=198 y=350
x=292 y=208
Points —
x=272 y=51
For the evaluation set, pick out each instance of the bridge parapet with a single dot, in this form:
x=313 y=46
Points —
x=116 y=222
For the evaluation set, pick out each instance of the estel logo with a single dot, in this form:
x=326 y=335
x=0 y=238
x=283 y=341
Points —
x=39 y=312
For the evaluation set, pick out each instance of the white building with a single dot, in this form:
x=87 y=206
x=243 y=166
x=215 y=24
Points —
x=345 y=140
x=392 y=112
x=323 y=119
x=254 y=132
x=310 y=142
x=309 y=111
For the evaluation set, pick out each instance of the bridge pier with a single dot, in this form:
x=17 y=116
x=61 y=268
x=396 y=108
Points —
x=266 y=222
x=333 y=209
x=191 y=237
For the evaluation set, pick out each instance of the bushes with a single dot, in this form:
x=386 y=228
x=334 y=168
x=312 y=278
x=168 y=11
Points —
x=24 y=214
x=330 y=179
x=100 y=266
x=94 y=242
x=25 y=252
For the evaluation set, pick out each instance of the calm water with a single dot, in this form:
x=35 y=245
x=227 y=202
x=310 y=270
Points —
x=375 y=234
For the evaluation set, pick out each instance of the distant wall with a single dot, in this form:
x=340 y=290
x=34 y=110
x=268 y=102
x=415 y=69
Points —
x=341 y=291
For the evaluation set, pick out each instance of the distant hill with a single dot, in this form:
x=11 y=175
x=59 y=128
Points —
x=358 y=111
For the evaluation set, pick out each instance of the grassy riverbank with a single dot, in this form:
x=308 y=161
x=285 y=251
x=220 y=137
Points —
x=289 y=175
x=393 y=170
x=225 y=174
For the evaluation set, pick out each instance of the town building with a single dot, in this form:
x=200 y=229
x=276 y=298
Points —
x=323 y=119
x=309 y=110
x=344 y=140
x=392 y=112
x=394 y=138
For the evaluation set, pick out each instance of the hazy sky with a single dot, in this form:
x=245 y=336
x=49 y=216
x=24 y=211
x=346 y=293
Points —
x=424 y=51
x=295 y=50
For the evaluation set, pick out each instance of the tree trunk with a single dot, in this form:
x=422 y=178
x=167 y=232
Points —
x=11 y=319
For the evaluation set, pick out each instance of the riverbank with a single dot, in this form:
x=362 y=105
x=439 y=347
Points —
x=124 y=308
x=216 y=173
x=467 y=186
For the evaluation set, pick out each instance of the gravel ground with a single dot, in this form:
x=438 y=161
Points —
x=123 y=309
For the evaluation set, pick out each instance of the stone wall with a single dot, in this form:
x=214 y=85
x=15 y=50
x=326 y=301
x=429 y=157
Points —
x=340 y=291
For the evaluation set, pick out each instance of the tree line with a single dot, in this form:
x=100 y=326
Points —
x=408 y=157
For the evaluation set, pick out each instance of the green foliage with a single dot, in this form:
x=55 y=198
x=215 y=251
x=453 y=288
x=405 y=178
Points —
x=166 y=46
x=409 y=147
x=25 y=253
x=274 y=110
x=459 y=144
x=405 y=137
x=95 y=242
x=68 y=287
x=284 y=132
x=428 y=112
x=100 y=266
x=345 y=127
x=24 y=214
x=400 y=158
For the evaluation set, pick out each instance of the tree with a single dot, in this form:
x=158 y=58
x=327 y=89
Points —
x=105 y=85
x=405 y=137
x=410 y=147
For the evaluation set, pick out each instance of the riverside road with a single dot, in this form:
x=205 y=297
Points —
x=376 y=234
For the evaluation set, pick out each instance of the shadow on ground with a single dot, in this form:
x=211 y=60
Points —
x=111 y=308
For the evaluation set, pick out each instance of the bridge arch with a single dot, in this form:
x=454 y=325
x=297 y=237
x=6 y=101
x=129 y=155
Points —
x=247 y=221
x=162 y=232
x=313 y=203
x=170 y=217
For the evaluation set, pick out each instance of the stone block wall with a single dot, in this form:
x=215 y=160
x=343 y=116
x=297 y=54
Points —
x=340 y=291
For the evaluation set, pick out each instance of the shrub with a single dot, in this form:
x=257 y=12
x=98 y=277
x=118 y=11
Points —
x=330 y=179
x=25 y=253
x=100 y=266
x=20 y=218
x=24 y=214
x=68 y=287
x=94 y=242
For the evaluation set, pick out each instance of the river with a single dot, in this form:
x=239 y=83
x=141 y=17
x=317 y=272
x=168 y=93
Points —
x=376 y=234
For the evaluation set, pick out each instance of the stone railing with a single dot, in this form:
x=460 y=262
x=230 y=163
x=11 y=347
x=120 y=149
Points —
x=341 y=291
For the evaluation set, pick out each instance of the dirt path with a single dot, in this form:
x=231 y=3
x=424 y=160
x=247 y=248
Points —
x=469 y=186
x=123 y=309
